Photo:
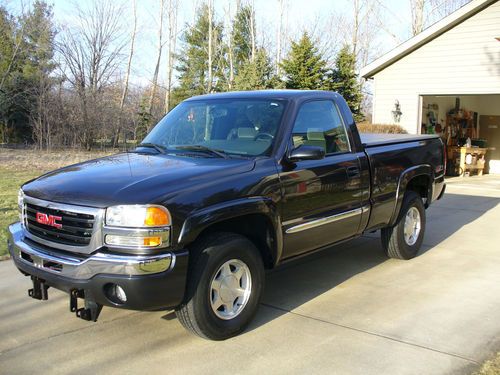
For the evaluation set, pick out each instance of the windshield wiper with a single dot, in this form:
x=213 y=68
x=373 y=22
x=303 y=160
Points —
x=159 y=148
x=213 y=151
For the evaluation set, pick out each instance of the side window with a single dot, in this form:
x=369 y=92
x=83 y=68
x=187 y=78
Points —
x=318 y=123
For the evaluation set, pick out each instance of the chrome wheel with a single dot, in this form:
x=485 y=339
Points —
x=230 y=289
x=412 y=226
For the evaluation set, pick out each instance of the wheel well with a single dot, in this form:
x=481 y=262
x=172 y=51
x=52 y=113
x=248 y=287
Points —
x=256 y=227
x=420 y=184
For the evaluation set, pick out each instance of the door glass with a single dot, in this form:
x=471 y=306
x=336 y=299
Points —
x=318 y=123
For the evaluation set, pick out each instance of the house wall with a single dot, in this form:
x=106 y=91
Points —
x=464 y=60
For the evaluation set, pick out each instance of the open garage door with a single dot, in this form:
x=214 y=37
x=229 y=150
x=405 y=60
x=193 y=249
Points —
x=458 y=118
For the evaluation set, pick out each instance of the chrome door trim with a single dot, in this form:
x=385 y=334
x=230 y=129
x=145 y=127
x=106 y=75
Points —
x=326 y=220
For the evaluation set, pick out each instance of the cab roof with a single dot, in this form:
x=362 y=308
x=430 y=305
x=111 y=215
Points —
x=268 y=94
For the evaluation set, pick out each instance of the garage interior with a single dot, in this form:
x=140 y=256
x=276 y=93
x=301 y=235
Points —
x=470 y=127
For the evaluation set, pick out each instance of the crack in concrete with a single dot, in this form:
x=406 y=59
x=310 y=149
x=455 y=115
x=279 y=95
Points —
x=66 y=333
x=376 y=334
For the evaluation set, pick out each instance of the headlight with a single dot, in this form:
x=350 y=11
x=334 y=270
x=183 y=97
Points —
x=137 y=227
x=137 y=216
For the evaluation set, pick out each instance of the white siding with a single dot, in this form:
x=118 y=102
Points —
x=464 y=60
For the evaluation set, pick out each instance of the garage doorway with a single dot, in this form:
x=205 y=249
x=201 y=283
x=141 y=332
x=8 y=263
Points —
x=457 y=118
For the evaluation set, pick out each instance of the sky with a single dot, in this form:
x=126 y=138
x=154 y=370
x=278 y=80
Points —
x=318 y=16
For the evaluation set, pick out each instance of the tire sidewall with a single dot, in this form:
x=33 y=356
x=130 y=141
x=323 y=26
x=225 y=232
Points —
x=412 y=200
x=209 y=262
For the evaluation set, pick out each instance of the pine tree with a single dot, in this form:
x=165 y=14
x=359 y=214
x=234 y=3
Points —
x=257 y=74
x=193 y=59
x=304 y=68
x=344 y=80
x=242 y=37
x=26 y=51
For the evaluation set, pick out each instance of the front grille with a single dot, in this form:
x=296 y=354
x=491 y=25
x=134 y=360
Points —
x=76 y=228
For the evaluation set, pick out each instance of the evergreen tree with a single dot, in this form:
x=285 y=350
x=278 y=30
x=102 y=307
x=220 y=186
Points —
x=304 y=68
x=257 y=74
x=193 y=59
x=344 y=80
x=241 y=35
x=26 y=52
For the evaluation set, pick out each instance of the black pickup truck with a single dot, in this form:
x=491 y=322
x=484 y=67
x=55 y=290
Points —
x=223 y=188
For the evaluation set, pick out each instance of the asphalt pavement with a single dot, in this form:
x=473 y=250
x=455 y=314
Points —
x=346 y=310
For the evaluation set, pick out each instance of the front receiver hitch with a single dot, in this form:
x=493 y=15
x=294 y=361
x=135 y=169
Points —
x=39 y=290
x=91 y=310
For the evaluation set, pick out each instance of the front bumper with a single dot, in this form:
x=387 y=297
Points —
x=150 y=282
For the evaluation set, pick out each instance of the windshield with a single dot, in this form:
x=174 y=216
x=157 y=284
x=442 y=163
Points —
x=233 y=126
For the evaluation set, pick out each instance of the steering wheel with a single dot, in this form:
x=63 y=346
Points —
x=264 y=135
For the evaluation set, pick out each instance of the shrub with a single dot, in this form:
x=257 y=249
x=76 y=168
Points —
x=381 y=128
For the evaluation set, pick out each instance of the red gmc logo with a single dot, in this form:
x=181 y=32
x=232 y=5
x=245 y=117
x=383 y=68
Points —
x=49 y=220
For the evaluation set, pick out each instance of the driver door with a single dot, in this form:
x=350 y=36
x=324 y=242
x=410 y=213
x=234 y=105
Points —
x=322 y=198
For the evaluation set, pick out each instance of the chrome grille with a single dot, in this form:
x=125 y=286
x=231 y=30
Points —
x=76 y=229
x=81 y=230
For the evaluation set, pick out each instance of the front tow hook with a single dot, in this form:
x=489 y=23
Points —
x=91 y=310
x=39 y=290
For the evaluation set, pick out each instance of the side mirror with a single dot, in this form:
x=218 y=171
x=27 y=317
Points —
x=306 y=153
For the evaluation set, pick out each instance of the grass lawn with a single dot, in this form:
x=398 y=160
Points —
x=491 y=367
x=10 y=181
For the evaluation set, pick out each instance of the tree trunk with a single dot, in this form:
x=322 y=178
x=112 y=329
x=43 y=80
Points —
x=210 y=40
x=158 y=60
x=127 y=76
x=279 y=37
x=172 y=38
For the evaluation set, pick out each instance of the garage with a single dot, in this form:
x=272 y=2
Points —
x=446 y=80
x=470 y=127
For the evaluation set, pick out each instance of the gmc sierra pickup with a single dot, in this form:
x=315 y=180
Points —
x=223 y=188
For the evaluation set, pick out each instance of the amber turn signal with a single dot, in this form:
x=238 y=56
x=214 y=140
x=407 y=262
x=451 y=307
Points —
x=156 y=217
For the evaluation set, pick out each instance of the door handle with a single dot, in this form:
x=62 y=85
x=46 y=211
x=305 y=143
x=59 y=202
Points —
x=353 y=172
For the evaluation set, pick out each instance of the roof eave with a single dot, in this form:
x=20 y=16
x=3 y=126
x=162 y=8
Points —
x=425 y=37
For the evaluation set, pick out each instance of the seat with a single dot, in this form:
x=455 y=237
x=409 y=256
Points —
x=315 y=137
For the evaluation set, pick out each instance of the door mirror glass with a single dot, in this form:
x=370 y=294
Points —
x=307 y=153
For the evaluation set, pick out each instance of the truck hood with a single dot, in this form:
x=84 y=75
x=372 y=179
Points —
x=130 y=178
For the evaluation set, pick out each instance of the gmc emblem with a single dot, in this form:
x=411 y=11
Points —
x=49 y=220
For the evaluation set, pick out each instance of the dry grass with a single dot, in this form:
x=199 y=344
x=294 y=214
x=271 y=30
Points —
x=43 y=161
x=381 y=128
x=491 y=367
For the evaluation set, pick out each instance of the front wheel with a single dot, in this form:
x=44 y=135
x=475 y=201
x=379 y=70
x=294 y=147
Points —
x=403 y=240
x=224 y=287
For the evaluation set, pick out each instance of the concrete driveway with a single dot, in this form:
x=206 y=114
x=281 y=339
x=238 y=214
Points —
x=348 y=310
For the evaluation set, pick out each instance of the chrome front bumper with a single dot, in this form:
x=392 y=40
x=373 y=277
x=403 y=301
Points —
x=81 y=267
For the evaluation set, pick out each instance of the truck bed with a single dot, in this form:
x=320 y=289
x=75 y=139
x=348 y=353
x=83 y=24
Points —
x=374 y=139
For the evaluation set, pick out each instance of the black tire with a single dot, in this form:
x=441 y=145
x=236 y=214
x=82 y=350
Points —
x=393 y=238
x=196 y=313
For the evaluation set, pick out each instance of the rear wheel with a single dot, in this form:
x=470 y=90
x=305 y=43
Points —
x=225 y=284
x=403 y=240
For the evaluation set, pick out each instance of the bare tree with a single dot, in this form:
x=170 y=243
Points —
x=210 y=42
x=91 y=55
x=417 y=16
x=127 y=74
x=279 y=36
x=253 y=35
x=130 y=55
x=154 y=81
x=230 y=52
x=425 y=12
x=172 y=11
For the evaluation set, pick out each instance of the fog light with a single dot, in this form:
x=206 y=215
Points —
x=115 y=240
x=120 y=293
